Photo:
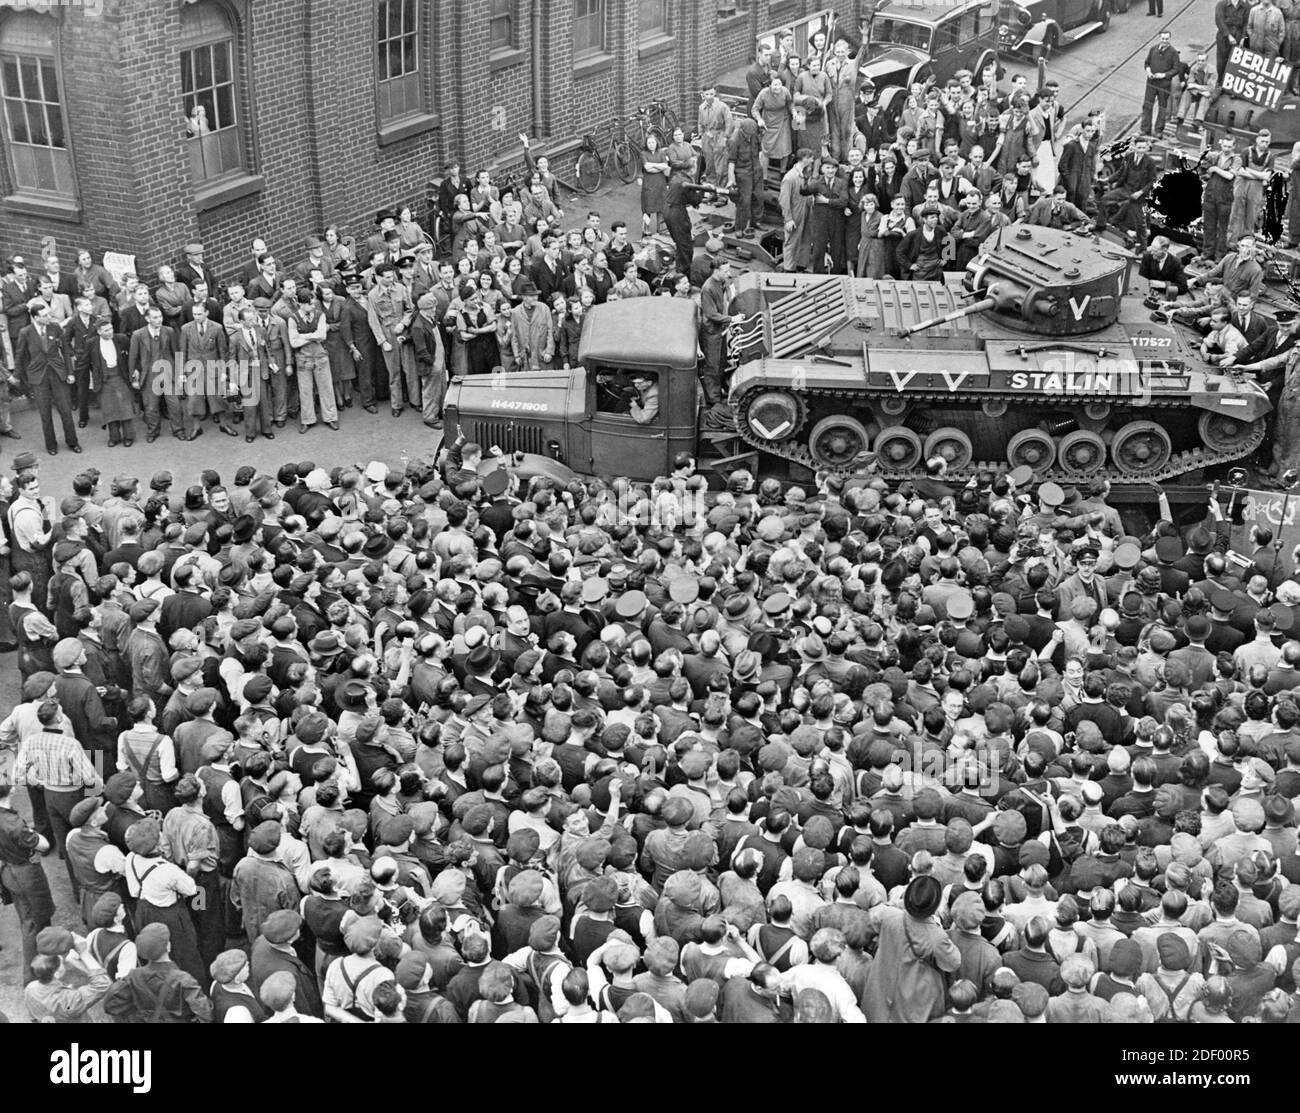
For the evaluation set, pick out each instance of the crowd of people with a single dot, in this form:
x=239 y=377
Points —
x=451 y=743
x=448 y=746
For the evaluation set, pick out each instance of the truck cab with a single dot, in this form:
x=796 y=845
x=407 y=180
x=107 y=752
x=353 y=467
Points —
x=631 y=351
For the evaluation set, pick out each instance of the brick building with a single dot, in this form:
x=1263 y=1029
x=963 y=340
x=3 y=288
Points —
x=135 y=126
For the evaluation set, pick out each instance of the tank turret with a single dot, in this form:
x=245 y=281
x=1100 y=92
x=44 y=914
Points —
x=1045 y=281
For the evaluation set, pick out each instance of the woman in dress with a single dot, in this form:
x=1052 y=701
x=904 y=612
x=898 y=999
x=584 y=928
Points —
x=654 y=184
x=813 y=92
x=343 y=371
x=570 y=336
x=887 y=180
x=871 y=250
x=492 y=298
x=859 y=188
x=514 y=280
x=476 y=329
x=772 y=110
x=682 y=157
x=106 y=357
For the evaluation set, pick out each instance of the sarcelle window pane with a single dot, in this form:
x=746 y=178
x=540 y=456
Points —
x=17 y=116
x=225 y=96
x=9 y=78
x=203 y=67
x=54 y=124
x=36 y=125
x=221 y=62
x=30 y=87
x=408 y=54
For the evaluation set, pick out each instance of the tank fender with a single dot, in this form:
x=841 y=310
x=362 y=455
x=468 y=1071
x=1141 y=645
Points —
x=1247 y=402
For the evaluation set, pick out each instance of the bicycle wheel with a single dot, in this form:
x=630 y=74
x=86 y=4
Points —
x=588 y=171
x=627 y=164
x=667 y=120
x=659 y=135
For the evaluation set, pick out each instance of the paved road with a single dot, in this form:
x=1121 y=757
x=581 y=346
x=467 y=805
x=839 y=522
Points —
x=1106 y=69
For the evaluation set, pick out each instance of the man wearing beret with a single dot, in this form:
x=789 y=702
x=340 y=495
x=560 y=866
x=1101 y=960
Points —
x=158 y=991
x=49 y=1000
x=274 y=954
x=261 y=883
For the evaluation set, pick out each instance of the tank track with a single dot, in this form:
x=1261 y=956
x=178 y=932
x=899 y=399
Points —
x=1179 y=463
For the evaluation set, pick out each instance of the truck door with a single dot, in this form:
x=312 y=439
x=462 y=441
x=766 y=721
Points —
x=628 y=421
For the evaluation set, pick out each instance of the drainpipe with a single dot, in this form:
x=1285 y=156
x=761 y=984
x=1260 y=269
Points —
x=309 y=75
x=535 y=30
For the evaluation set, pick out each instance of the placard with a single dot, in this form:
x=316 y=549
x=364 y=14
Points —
x=1252 y=77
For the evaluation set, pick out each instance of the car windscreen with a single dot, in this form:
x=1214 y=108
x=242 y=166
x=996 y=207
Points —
x=901 y=33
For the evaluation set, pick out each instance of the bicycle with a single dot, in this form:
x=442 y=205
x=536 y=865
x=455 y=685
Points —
x=592 y=166
x=662 y=117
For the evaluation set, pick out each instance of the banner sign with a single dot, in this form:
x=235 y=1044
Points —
x=1252 y=77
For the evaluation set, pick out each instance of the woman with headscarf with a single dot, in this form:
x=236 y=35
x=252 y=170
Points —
x=908 y=981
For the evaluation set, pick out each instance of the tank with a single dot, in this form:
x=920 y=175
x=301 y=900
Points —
x=1039 y=355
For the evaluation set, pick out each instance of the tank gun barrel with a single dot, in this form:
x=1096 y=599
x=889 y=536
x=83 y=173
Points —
x=967 y=311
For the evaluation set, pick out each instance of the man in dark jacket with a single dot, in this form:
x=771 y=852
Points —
x=158 y=991
x=44 y=368
x=430 y=359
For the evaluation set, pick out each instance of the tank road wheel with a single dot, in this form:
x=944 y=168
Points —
x=1223 y=432
x=836 y=442
x=1081 y=453
x=1141 y=448
x=898 y=448
x=949 y=444
x=775 y=416
x=1032 y=449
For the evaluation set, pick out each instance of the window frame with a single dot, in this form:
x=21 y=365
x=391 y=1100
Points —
x=231 y=37
x=601 y=50
x=663 y=29
x=413 y=81
x=65 y=203
x=495 y=17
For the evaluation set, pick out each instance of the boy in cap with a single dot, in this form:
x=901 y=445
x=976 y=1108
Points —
x=48 y=999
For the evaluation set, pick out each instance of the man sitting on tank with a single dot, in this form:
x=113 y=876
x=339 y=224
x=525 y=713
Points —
x=1224 y=339
x=1196 y=313
x=1159 y=265
x=1056 y=212
x=1238 y=270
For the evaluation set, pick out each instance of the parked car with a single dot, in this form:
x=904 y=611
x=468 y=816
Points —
x=1040 y=27
x=912 y=42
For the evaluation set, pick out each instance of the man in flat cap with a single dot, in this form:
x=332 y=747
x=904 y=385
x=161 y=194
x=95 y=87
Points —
x=430 y=359
x=158 y=991
x=49 y=1000
x=274 y=954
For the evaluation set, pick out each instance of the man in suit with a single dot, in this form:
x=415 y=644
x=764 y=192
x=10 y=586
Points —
x=1159 y=265
x=204 y=344
x=1123 y=202
x=17 y=288
x=355 y=330
x=430 y=359
x=63 y=284
x=1253 y=325
x=134 y=316
x=154 y=349
x=279 y=357
x=248 y=349
x=548 y=273
x=43 y=366
x=81 y=331
x=826 y=222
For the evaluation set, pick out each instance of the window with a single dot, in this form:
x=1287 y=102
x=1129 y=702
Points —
x=654 y=18
x=729 y=8
x=397 y=36
x=947 y=36
x=588 y=28
x=501 y=26
x=209 y=94
x=35 y=131
x=970 y=25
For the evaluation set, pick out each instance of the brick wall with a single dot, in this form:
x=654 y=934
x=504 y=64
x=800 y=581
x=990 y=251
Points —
x=308 y=107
